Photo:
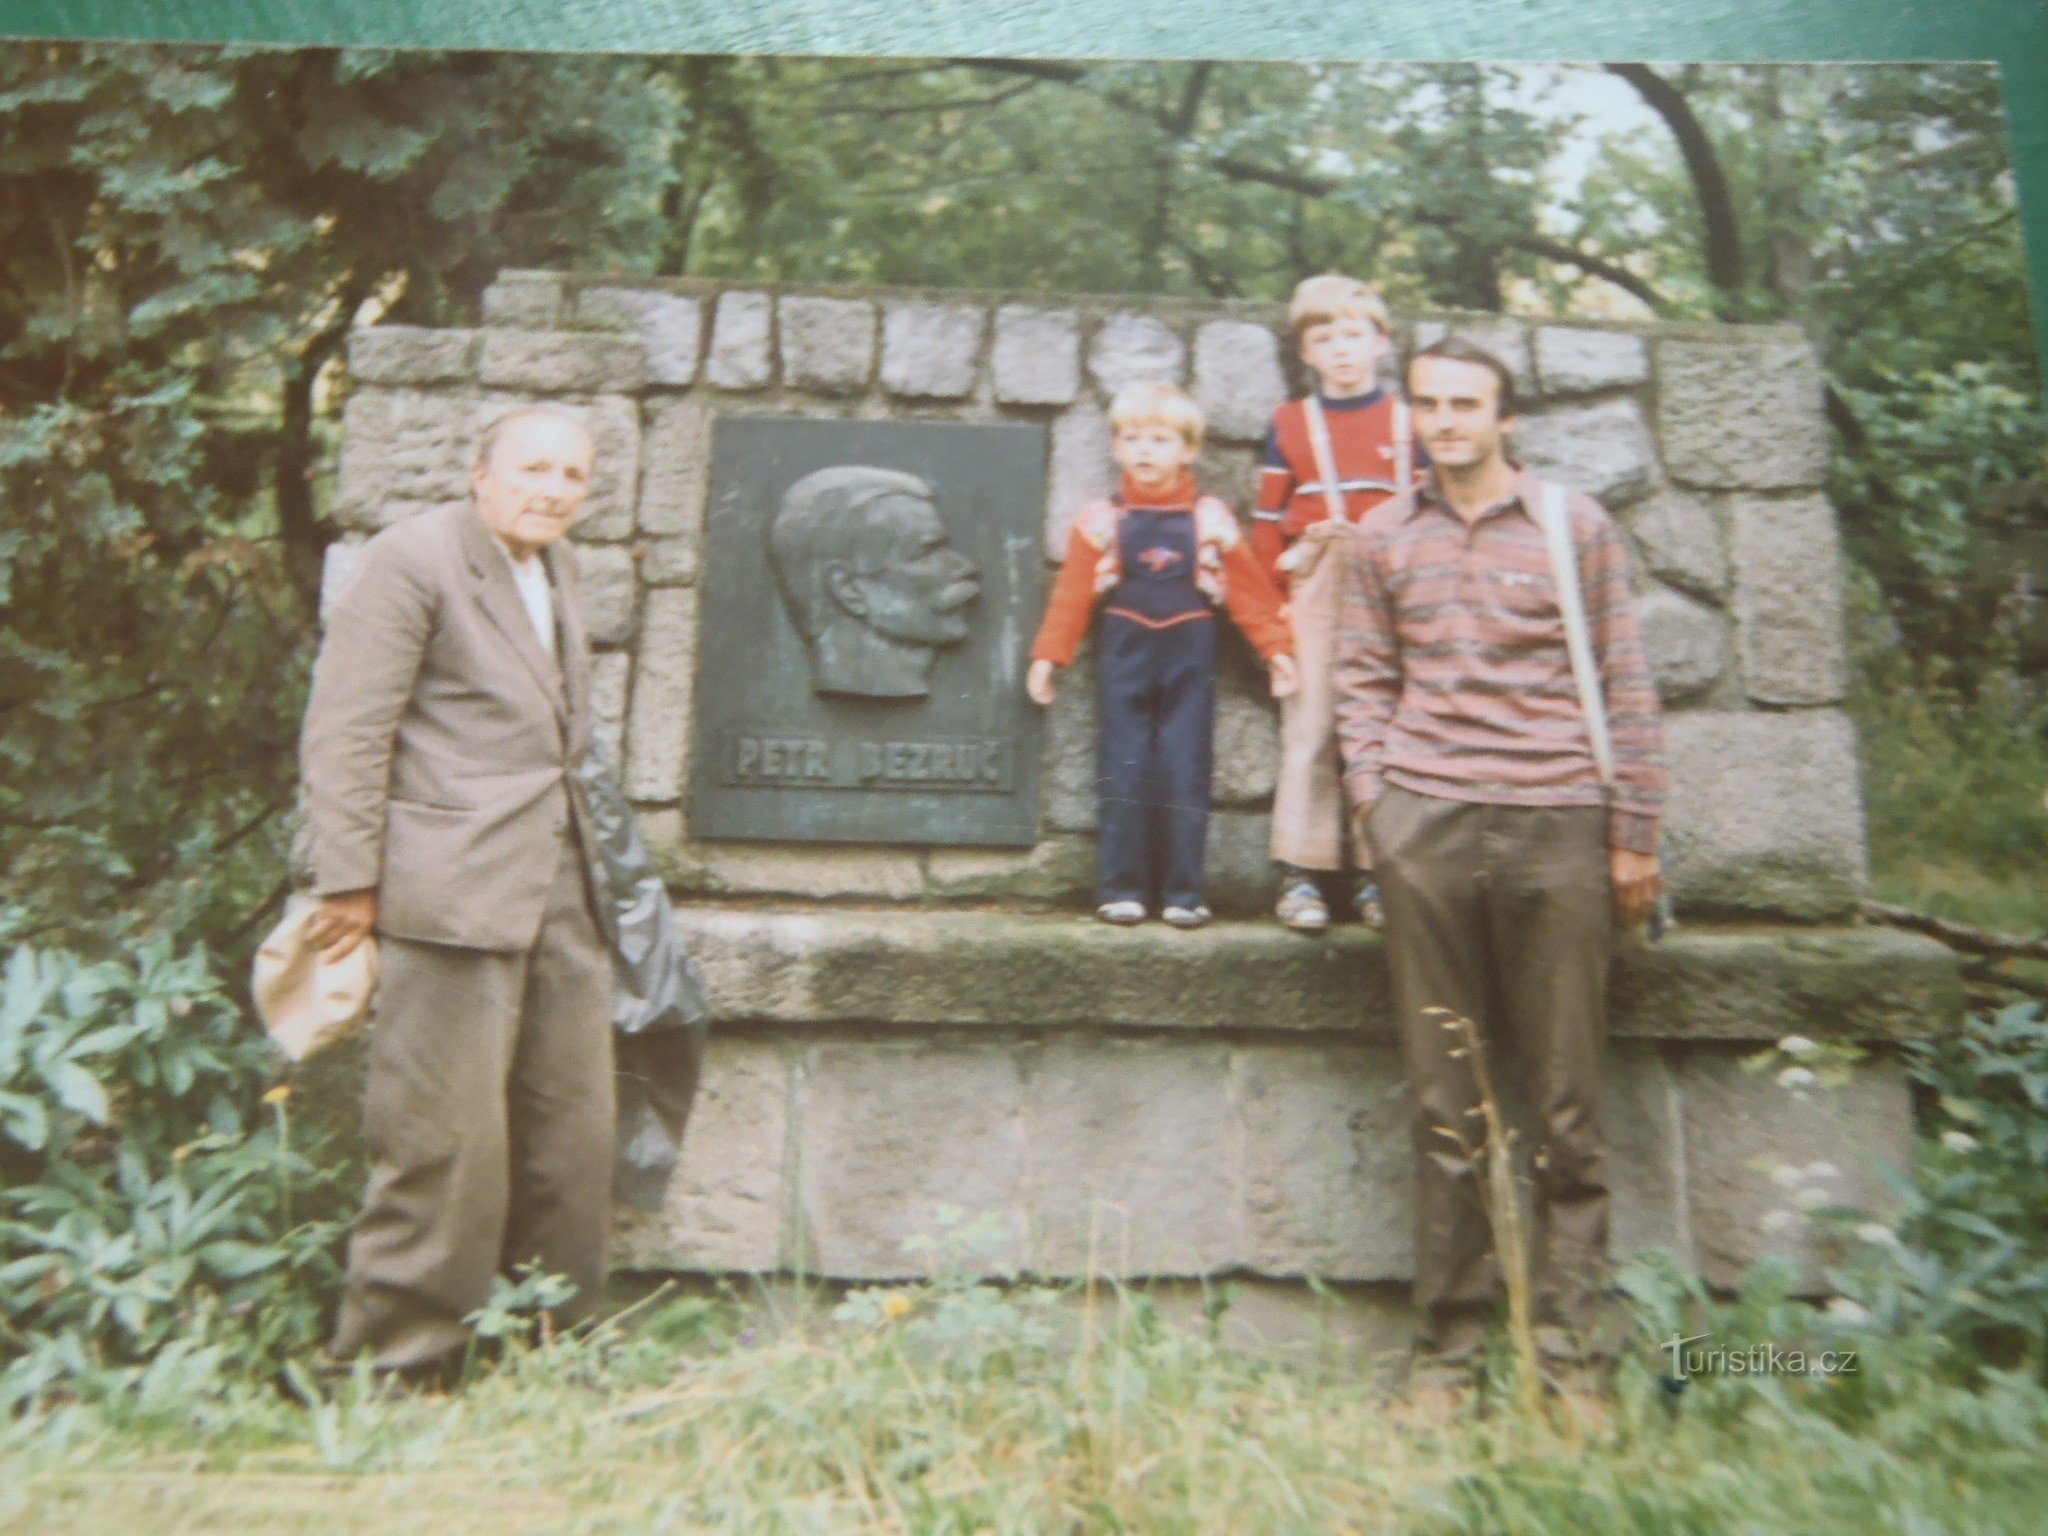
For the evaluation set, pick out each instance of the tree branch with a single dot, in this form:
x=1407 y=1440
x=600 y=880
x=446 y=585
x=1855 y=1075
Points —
x=1721 y=228
x=1975 y=941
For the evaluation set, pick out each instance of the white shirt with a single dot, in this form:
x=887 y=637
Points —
x=531 y=577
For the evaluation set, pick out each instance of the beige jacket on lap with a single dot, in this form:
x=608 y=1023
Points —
x=440 y=737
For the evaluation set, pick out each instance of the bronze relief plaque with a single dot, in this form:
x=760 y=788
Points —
x=869 y=590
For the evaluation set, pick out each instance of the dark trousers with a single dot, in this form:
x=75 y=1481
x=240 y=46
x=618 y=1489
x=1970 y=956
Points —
x=489 y=1114
x=1155 y=733
x=1504 y=916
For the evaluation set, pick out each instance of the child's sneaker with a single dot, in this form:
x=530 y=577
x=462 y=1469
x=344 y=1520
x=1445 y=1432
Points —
x=1186 y=917
x=1370 y=912
x=1301 y=906
x=1122 y=913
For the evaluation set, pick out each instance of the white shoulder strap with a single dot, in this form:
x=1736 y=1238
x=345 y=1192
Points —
x=1578 y=642
x=1326 y=461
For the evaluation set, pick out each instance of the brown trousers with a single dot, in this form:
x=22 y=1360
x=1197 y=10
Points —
x=1504 y=915
x=1310 y=823
x=488 y=1113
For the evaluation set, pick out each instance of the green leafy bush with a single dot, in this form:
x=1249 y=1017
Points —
x=150 y=1194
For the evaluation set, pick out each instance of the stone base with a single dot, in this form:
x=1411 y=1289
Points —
x=1152 y=1103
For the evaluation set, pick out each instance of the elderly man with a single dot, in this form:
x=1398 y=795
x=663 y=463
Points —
x=1508 y=836
x=450 y=703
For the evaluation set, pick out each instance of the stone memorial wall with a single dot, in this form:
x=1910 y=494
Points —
x=908 y=1027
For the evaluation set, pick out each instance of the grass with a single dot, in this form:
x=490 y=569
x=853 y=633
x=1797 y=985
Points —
x=956 y=1410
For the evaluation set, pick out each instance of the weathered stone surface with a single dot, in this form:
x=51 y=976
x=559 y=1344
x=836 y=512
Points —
x=1765 y=815
x=530 y=300
x=411 y=354
x=929 y=350
x=1571 y=361
x=727 y=1203
x=1127 y=347
x=1239 y=864
x=669 y=562
x=827 y=344
x=1061 y=869
x=1329 y=1178
x=705 y=868
x=1247 y=740
x=609 y=593
x=1037 y=355
x=1130 y=1159
x=1067 y=785
x=610 y=674
x=675 y=467
x=1742 y=415
x=1639 y=1115
x=966 y=968
x=740 y=330
x=1238 y=379
x=1682 y=543
x=337 y=564
x=1760 y=1156
x=658 y=722
x=1788 y=601
x=1228 y=473
x=1687 y=643
x=1078 y=469
x=880 y=1164
x=1602 y=449
x=407 y=450
x=670 y=326
x=1503 y=338
x=560 y=362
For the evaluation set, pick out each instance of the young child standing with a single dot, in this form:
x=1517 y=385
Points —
x=1159 y=557
x=1331 y=457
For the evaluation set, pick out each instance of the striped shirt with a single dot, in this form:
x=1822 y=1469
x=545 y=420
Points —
x=1451 y=671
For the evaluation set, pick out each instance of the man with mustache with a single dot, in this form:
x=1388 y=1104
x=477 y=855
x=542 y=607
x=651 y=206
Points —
x=449 y=709
x=1508 y=840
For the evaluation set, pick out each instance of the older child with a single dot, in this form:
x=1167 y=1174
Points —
x=1331 y=457
x=1159 y=557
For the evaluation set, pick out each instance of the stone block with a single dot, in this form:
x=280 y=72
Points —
x=879 y=1164
x=1247 y=739
x=1067 y=771
x=658 y=720
x=1238 y=379
x=1687 y=643
x=1742 y=415
x=726 y=1209
x=1681 y=542
x=610 y=593
x=742 y=327
x=1639 y=1116
x=1240 y=863
x=827 y=344
x=526 y=300
x=1037 y=355
x=1078 y=470
x=1127 y=347
x=1329 y=1176
x=1503 y=338
x=337 y=565
x=929 y=350
x=1788 y=601
x=407 y=450
x=675 y=467
x=670 y=326
x=669 y=562
x=1760 y=1156
x=1603 y=449
x=1571 y=361
x=561 y=362
x=411 y=354
x=1131 y=1158
x=610 y=674
x=1060 y=869
x=718 y=868
x=1765 y=815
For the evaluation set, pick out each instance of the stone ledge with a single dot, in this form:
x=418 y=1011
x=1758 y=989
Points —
x=922 y=969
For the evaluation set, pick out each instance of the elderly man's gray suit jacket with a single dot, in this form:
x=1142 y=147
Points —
x=440 y=739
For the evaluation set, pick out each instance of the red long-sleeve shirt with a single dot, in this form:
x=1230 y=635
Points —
x=1368 y=461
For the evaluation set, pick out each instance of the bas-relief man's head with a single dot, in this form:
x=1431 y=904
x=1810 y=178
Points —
x=531 y=474
x=870 y=579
